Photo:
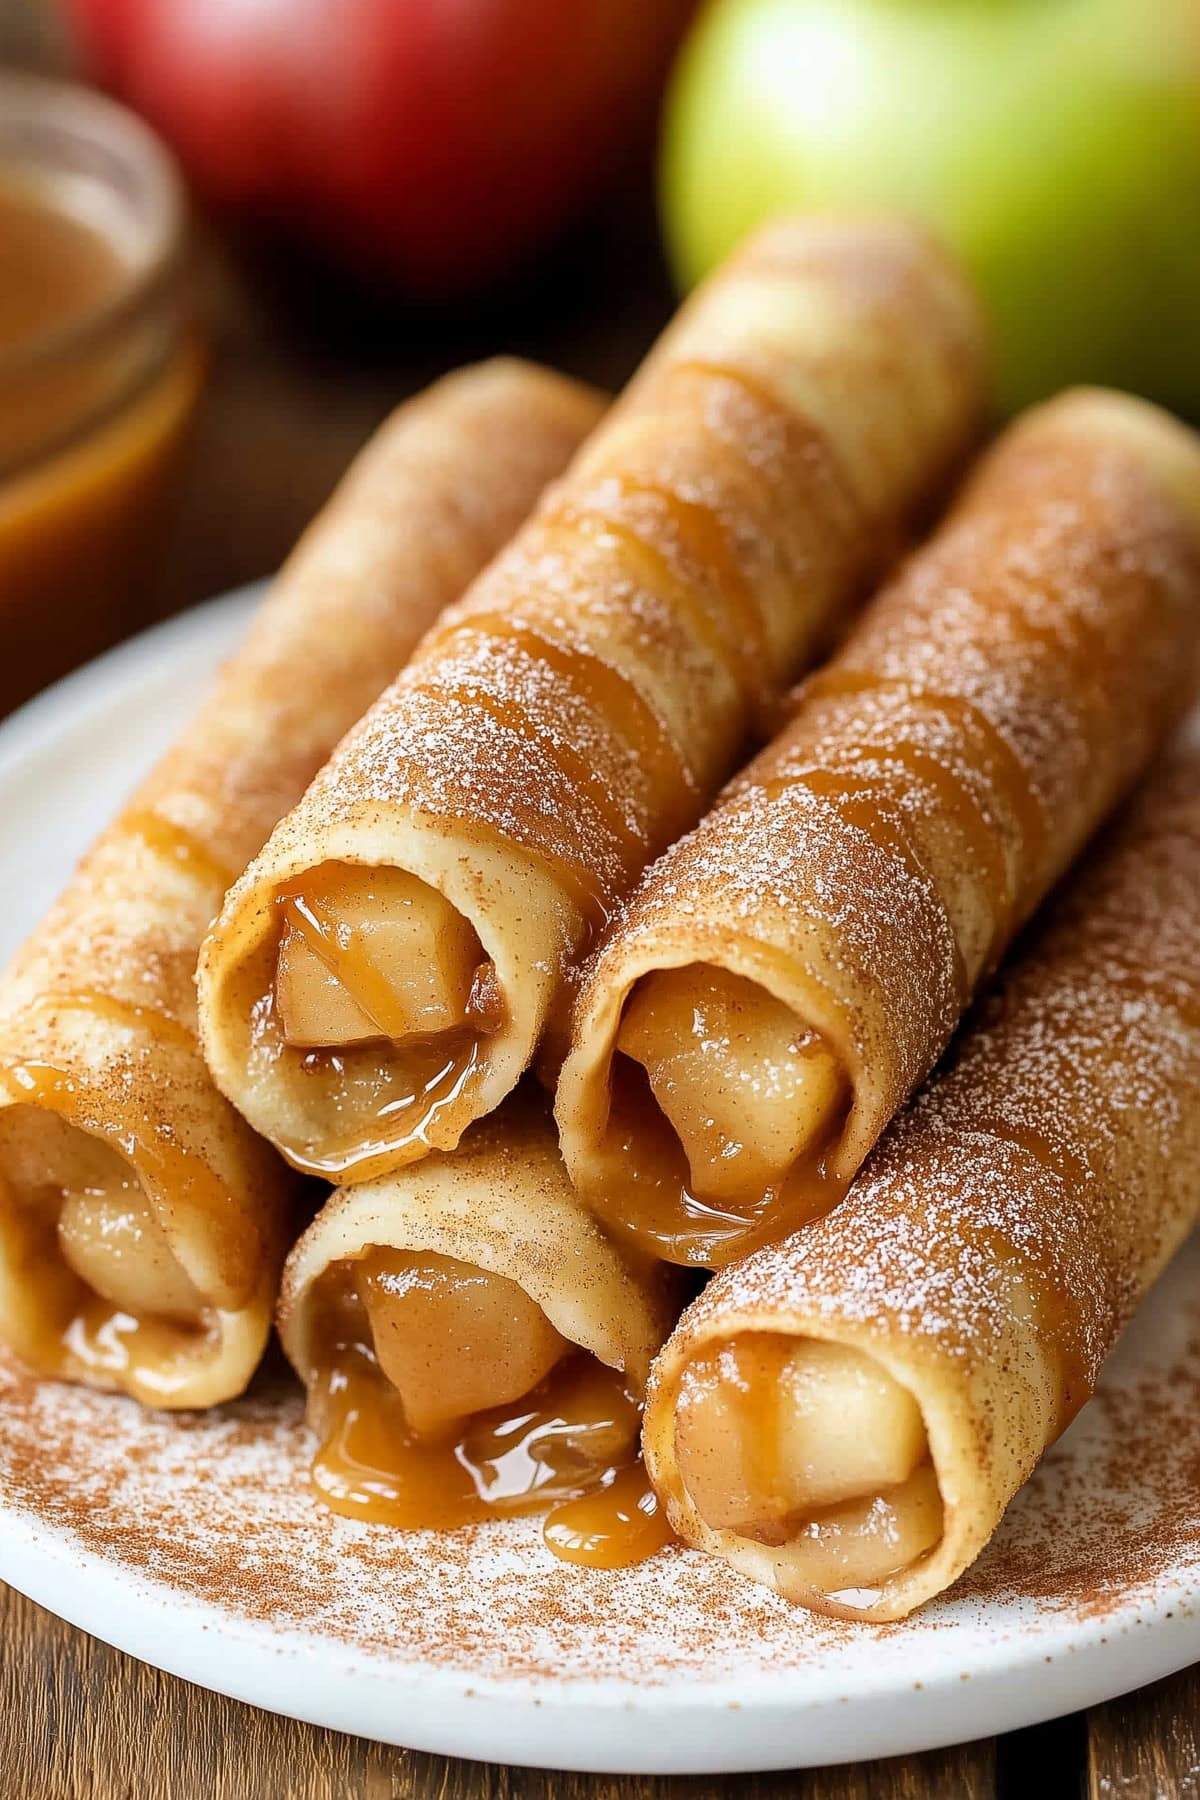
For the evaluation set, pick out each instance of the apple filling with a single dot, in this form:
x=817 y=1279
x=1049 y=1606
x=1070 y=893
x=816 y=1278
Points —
x=369 y=954
x=812 y=1450
x=720 y=1093
x=443 y=1395
x=98 y=1266
x=451 y=1338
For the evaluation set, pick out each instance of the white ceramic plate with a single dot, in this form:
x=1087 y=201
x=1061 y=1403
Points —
x=192 y=1543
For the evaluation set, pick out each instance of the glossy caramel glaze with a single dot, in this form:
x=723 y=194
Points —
x=651 y=1201
x=571 y=1440
x=612 y=1527
x=871 y=866
x=578 y=709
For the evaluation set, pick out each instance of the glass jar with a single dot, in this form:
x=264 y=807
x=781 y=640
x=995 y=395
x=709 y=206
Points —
x=100 y=370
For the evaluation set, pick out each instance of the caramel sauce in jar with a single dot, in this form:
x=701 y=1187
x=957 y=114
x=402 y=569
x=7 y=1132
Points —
x=100 y=371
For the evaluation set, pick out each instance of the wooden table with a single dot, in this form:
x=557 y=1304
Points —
x=79 y=1721
x=303 y=369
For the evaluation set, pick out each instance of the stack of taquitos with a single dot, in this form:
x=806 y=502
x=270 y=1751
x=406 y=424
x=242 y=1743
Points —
x=846 y=1416
x=473 y=1345
x=789 y=973
x=141 y=1221
x=383 y=972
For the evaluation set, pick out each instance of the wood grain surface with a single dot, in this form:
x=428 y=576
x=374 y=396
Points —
x=303 y=368
x=79 y=1721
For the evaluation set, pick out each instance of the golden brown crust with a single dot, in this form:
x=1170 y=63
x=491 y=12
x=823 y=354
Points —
x=1010 y=1223
x=940 y=774
x=579 y=706
x=102 y=995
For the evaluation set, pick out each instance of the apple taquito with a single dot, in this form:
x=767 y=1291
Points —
x=141 y=1221
x=846 y=1415
x=787 y=974
x=385 y=970
x=472 y=1345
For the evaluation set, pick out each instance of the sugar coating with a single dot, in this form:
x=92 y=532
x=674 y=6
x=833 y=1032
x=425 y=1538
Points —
x=1062 y=1139
x=940 y=774
x=104 y=990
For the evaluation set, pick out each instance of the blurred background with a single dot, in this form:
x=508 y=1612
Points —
x=299 y=211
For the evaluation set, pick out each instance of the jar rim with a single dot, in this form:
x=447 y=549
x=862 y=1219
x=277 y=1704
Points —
x=39 y=115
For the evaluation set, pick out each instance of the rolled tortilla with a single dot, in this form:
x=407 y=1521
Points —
x=846 y=1416
x=141 y=1221
x=385 y=970
x=473 y=1345
x=787 y=974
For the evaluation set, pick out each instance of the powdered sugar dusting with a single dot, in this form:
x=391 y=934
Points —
x=943 y=771
x=1062 y=1140
x=215 y=1506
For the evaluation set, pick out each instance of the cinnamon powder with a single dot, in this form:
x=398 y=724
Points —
x=216 y=1506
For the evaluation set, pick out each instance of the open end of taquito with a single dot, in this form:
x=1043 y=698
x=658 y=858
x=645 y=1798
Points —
x=848 y=1477
x=126 y=1260
x=845 y=1416
x=374 y=1009
x=473 y=1346
x=709 y=1099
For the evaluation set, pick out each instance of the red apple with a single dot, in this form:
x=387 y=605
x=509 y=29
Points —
x=438 y=140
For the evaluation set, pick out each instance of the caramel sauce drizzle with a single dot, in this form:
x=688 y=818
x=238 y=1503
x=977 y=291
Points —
x=125 y=1014
x=967 y=814
x=760 y=391
x=985 y=747
x=738 y=642
x=614 y=698
x=1057 y=1310
x=436 y=1072
x=174 y=843
x=162 y=1165
x=862 y=806
x=606 y=689
x=567 y=1449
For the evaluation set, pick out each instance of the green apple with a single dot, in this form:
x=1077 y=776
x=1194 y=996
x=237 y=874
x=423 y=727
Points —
x=1054 y=143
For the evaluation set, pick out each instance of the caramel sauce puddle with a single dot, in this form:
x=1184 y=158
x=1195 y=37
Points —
x=566 y=1449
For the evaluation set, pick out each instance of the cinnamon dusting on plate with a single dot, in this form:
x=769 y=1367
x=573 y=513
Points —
x=217 y=1507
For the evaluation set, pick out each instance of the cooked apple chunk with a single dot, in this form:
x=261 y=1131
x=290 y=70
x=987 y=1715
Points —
x=453 y=1339
x=771 y=1432
x=113 y=1242
x=371 y=953
x=746 y=1088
